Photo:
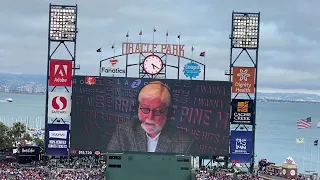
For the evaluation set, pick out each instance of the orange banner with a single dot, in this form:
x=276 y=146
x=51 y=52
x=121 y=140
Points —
x=243 y=79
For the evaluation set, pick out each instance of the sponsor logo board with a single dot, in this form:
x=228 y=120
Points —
x=60 y=72
x=242 y=111
x=243 y=79
x=112 y=68
x=59 y=105
x=58 y=139
x=191 y=70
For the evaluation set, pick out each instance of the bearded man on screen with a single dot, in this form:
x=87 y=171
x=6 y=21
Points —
x=151 y=132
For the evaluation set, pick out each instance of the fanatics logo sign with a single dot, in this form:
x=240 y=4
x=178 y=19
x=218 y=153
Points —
x=60 y=73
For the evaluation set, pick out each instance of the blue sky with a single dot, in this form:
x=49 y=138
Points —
x=289 y=37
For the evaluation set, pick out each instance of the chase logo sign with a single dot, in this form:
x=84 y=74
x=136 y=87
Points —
x=191 y=70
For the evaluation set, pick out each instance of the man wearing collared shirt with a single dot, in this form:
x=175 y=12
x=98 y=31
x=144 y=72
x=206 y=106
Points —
x=151 y=132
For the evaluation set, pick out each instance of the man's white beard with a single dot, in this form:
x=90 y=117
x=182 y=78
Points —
x=156 y=129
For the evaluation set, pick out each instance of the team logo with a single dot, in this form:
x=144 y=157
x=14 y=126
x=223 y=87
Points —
x=136 y=83
x=58 y=134
x=59 y=105
x=60 y=73
x=27 y=150
x=243 y=79
x=113 y=62
x=90 y=80
x=191 y=70
x=243 y=75
x=243 y=106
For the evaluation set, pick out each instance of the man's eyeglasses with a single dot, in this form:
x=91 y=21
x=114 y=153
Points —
x=155 y=112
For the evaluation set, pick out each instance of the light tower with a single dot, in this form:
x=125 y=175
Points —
x=244 y=37
x=62 y=33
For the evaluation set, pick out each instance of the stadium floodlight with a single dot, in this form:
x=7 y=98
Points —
x=63 y=23
x=245 y=30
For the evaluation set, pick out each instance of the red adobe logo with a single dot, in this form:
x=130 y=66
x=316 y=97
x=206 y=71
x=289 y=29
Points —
x=60 y=73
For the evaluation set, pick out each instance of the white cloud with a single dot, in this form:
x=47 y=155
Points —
x=288 y=55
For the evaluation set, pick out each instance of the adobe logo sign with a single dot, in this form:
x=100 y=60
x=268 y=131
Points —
x=59 y=105
x=60 y=73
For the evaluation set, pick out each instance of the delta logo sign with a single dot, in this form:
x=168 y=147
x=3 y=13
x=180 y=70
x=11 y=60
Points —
x=112 y=68
x=60 y=73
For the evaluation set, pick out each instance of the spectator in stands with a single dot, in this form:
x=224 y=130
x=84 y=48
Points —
x=152 y=133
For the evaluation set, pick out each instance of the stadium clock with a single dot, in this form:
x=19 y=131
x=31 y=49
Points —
x=152 y=64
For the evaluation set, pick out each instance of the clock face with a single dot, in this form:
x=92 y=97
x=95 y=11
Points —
x=284 y=171
x=152 y=64
x=293 y=172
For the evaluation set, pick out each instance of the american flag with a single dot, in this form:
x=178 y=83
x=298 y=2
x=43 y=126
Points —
x=304 y=123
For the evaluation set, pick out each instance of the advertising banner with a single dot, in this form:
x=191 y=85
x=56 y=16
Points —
x=241 y=146
x=57 y=143
x=29 y=150
x=59 y=105
x=242 y=111
x=111 y=67
x=191 y=70
x=60 y=72
x=243 y=79
x=107 y=117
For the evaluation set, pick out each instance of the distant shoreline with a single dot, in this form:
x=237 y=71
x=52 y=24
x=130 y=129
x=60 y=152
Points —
x=258 y=100
x=23 y=93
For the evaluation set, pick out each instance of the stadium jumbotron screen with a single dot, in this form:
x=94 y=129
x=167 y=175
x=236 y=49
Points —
x=116 y=114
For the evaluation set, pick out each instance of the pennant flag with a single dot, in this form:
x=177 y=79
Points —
x=304 y=123
x=315 y=143
x=99 y=50
x=300 y=140
x=202 y=54
x=154 y=29
x=318 y=125
x=140 y=33
x=192 y=48
x=127 y=35
x=167 y=34
x=178 y=37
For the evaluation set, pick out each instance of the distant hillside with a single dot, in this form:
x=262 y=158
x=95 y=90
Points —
x=38 y=81
x=19 y=78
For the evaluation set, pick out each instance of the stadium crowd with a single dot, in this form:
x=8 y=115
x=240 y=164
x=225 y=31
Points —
x=227 y=174
x=85 y=168
x=89 y=168
x=221 y=174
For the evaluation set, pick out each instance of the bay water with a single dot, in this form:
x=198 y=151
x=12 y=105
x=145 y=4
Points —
x=276 y=129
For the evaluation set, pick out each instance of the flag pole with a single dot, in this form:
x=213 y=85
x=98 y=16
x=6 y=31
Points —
x=304 y=154
x=310 y=159
x=167 y=38
x=140 y=34
x=127 y=59
x=179 y=56
x=154 y=28
x=101 y=53
x=192 y=53
x=114 y=49
x=204 y=58
x=127 y=36
x=318 y=158
x=166 y=57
